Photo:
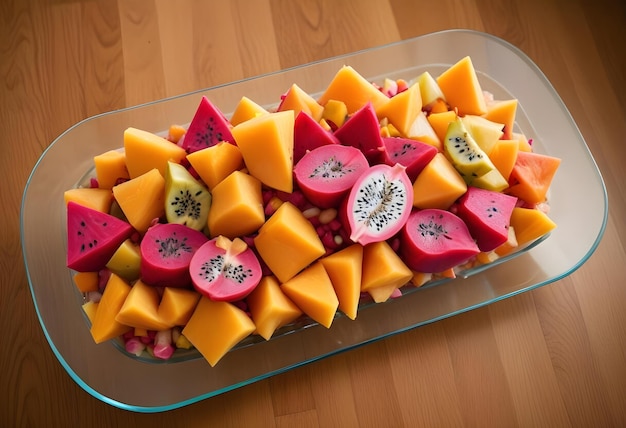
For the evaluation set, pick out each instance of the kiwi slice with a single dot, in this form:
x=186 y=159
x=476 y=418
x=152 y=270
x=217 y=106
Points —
x=187 y=201
x=464 y=153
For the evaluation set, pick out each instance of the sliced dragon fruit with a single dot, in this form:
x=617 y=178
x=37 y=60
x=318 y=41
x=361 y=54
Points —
x=92 y=237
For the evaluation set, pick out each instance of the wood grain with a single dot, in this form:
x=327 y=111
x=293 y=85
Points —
x=552 y=357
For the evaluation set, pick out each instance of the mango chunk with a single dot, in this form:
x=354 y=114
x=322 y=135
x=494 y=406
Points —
x=460 y=85
x=503 y=156
x=146 y=151
x=402 y=109
x=86 y=281
x=266 y=144
x=90 y=308
x=216 y=327
x=352 y=89
x=288 y=242
x=438 y=185
x=503 y=112
x=382 y=267
x=140 y=308
x=236 y=207
x=270 y=307
x=94 y=198
x=246 y=109
x=530 y=224
x=110 y=167
x=298 y=100
x=177 y=305
x=104 y=325
x=312 y=291
x=142 y=199
x=383 y=293
x=440 y=121
x=335 y=112
x=344 y=269
x=215 y=163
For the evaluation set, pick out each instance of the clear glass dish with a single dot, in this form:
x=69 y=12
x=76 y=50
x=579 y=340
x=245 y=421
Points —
x=113 y=377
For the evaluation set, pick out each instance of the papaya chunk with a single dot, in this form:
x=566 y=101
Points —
x=532 y=175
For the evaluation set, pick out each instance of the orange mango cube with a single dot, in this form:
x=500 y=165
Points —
x=382 y=267
x=216 y=327
x=438 y=185
x=236 y=207
x=270 y=307
x=177 y=305
x=402 y=109
x=266 y=144
x=110 y=166
x=146 y=151
x=312 y=291
x=288 y=242
x=298 y=100
x=246 y=109
x=104 y=325
x=94 y=198
x=142 y=199
x=215 y=163
x=344 y=269
x=352 y=89
x=459 y=83
x=140 y=308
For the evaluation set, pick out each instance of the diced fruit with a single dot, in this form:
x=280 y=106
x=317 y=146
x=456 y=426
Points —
x=94 y=198
x=441 y=121
x=237 y=207
x=504 y=155
x=492 y=180
x=270 y=308
x=225 y=270
x=435 y=240
x=382 y=267
x=299 y=101
x=361 y=130
x=487 y=215
x=104 y=326
x=140 y=308
x=344 y=269
x=187 y=201
x=166 y=251
x=530 y=224
x=175 y=133
x=421 y=130
x=208 y=127
x=503 y=112
x=126 y=261
x=429 y=89
x=460 y=85
x=485 y=132
x=335 y=113
x=413 y=155
x=288 y=242
x=349 y=87
x=177 y=305
x=146 y=151
x=266 y=143
x=402 y=109
x=510 y=244
x=246 y=109
x=464 y=153
x=438 y=185
x=142 y=199
x=326 y=174
x=86 y=281
x=110 y=168
x=378 y=204
x=92 y=237
x=309 y=135
x=532 y=175
x=312 y=291
x=215 y=163
x=90 y=308
x=383 y=293
x=216 y=327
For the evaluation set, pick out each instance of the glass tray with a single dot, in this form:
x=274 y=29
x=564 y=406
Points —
x=111 y=376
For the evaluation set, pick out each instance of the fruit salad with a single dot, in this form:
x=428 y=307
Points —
x=239 y=226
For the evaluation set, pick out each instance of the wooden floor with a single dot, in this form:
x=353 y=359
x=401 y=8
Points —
x=552 y=357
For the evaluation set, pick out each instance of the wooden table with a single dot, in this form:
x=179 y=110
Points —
x=555 y=356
